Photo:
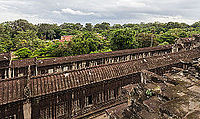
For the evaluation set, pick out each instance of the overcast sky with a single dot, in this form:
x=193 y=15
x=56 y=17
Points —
x=97 y=11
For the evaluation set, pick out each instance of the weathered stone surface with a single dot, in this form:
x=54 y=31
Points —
x=152 y=104
x=195 y=89
x=148 y=115
x=76 y=87
x=27 y=110
x=178 y=97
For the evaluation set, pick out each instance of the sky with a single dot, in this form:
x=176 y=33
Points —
x=98 y=11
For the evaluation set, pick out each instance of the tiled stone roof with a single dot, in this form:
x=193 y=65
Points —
x=68 y=59
x=13 y=89
x=23 y=63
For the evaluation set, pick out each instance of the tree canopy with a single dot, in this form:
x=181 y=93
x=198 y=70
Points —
x=40 y=40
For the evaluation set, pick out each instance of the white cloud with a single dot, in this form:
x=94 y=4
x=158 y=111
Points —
x=166 y=19
x=33 y=18
x=130 y=3
x=73 y=12
x=56 y=12
x=114 y=11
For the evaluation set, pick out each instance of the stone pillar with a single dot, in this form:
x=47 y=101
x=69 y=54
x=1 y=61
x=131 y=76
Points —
x=185 y=66
x=84 y=64
x=119 y=91
x=13 y=72
x=143 y=55
x=143 y=78
x=74 y=66
x=9 y=69
x=27 y=94
x=130 y=100
x=54 y=69
x=9 y=72
x=118 y=59
x=129 y=57
x=149 y=54
x=5 y=73
x=60 y=69
x=174 y=49
x=27 y=109
x=36 y=68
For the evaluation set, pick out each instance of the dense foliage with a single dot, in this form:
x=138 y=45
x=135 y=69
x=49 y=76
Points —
x=29 y=40
x=23 y=53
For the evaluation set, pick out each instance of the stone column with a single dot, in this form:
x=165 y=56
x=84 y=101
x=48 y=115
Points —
x=27 y=94
x=9 y=69
x=13 y=72
x=143 y=55
x=143 y=78
x=9 y=72
x=27 y=109
x=130 y=97
x=74 y=66
x=36 y=70
x=149 y=54
x=5 y=73
x=185 y=66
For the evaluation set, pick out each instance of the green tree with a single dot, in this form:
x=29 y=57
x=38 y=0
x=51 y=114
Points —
x=164 y=43
x=51 y=34
x=123 y=39
x=23 y=53
x=146 y=40
x=196 y=24
x=48 y=31
x=66 y=32
x=25 y=39
x=71 y=26
x=78 y=26
x=87 y=42
x=168 y=37
x=117 y=26
x=19 y=25
x=129 y=25
x=88 y=26
x=6 y=43
x=101 y=27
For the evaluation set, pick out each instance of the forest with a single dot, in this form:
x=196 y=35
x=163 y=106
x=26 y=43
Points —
x=42 y=40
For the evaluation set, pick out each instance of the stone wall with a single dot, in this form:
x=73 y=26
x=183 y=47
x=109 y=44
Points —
x=81 y=92
x=18 y=68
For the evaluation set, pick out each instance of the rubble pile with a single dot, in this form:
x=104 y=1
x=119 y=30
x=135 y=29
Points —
x=175 y=97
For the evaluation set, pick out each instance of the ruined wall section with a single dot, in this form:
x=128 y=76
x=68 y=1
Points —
x=19 y=68
x=75 y=93
x=12 y=89
x=184 y=44
x=5 y=60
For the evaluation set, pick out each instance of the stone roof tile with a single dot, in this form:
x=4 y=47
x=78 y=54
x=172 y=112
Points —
x=53 y=82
